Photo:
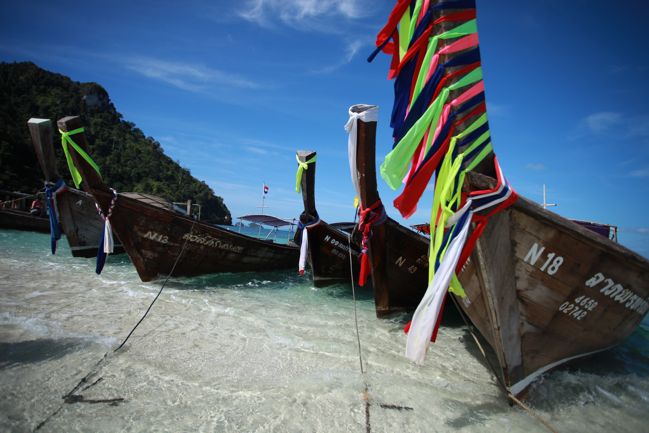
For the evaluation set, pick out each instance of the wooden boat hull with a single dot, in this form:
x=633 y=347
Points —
x=154 y=239
x=329 y=250
x=23 y=220
x=328 y=244
x=543 y=290
x=399 y=267
x=80 y=222
x=398 y=256
x=161 y=242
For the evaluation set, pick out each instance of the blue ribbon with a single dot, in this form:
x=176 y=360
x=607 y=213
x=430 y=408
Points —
x=101 y=255
x=55 y=229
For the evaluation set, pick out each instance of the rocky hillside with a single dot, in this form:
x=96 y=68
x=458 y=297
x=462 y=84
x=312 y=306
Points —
x=129 y=160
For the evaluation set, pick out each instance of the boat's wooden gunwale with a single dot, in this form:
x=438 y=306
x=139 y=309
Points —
x=158 y=240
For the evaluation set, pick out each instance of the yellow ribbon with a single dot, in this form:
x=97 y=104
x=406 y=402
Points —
x=301 y=166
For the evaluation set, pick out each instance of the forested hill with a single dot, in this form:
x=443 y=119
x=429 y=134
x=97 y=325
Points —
x=129 y=161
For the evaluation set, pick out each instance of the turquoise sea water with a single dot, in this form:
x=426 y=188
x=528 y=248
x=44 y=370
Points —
x=261 y=353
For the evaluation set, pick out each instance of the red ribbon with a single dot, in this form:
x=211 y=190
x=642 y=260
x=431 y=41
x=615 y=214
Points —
x=367 y=217
x=407 y=201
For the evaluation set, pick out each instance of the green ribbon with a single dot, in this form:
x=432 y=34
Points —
x=404 y=34
x=464 y=29
x=301 y=166
x=395 y=165
x=65 y=140
x=447 y=195
x=413 y=22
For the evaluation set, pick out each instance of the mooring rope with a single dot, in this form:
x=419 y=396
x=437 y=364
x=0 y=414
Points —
x=71 y=397
x=161 y=287
x=366 y=392
x=351 y=274
x=511 y=396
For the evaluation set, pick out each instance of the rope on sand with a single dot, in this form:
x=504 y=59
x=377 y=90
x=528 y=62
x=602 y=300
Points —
x=71 y=397
x=366 y=393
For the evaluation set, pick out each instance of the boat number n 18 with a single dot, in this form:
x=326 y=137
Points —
x=550 y=265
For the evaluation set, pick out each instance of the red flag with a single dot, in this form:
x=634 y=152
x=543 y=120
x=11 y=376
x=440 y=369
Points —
x=265 y=189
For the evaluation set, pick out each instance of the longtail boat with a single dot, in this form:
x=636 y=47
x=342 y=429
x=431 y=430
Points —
x=327 y=247
x=18 y=217
x=540 y=289
x=161 y=242
x=395 y=256
x=72 y=209
x=544 y=290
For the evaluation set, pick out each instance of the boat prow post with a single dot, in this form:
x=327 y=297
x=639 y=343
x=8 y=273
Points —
x=306 y=160
x=42 y=141
x=74 y=138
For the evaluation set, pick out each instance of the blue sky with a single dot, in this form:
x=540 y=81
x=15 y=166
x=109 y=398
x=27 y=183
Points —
x=232 y=89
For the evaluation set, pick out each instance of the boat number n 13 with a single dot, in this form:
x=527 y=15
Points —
x=551 y=263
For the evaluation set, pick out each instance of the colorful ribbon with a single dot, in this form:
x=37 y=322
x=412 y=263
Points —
x=106 y=243
x=65 y=140
x=368 y=217
x=304 y=243
x=366 y=113
x=301 y=166
x=50 y=200
x=440 y=126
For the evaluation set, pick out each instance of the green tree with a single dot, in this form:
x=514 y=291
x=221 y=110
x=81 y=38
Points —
x=129 y=160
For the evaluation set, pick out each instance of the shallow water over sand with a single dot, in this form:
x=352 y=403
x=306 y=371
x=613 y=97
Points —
x=261 y=353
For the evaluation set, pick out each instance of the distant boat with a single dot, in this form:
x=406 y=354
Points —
x=162 y=242
x=260 y=221
x=18 y=217
x=328 y=246
x=398 y=256
x=75 y=209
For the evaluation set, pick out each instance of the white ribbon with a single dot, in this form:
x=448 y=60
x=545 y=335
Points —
x=108 y=237
x=304 y=247
x=366 y=113
x=503 y=185
x=425 y=317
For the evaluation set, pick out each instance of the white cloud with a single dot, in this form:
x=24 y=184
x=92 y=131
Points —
x=602 y=122
x=193 y=78
x=535 y=166
x=350 y=52
x=298 y=13
x=257 y=150
x=643 y=172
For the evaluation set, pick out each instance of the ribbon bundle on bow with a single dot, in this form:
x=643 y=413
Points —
x=369 y=216
x=106 y=244
x=440 y=127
